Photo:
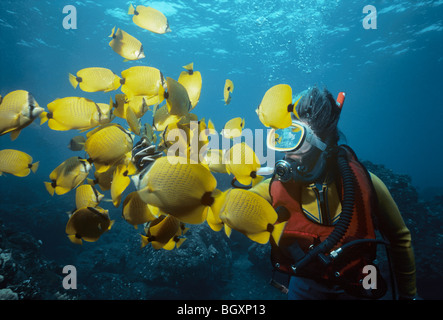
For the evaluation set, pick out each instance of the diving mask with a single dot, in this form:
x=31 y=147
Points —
x=298 y=138
x=293 y=138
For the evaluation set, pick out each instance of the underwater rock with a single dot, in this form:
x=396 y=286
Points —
x=111 y=286
x=8 y=294
x=424 y=220
x=259 y=255
x=194 y=271
x=24 y=272
x=121 y=269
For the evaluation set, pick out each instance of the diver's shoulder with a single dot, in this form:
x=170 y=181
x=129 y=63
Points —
x=379 y=186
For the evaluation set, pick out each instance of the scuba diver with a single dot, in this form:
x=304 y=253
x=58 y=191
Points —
x=334 y=209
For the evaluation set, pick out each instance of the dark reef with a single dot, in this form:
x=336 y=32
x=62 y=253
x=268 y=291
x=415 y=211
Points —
x=207 y=266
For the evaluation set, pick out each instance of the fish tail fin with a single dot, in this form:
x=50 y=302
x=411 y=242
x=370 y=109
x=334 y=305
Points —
x=213 y=217
x=180 y=242
x=133 y=121
x=228 y=231
x=73 y=80
x=161 y=94
x=117 y=83
x=185 y=230
x=189 y=67
x=278 y=231
x=112 y=104
x=43 y=117
x=154 y=210
x=50 y=188
x=211 y=127
x=74 y=239
x=34 y=166
x=112 y=33
x=145 y=240
x=131 y=10
x=295 y=108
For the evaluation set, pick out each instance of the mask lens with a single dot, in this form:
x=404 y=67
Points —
x=287 y=139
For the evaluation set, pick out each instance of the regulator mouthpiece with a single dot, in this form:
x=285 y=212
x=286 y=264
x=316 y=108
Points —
x=283 y=170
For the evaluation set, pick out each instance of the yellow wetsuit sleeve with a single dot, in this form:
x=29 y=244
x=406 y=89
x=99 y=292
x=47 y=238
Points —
x=262 y=189
x=392 y=226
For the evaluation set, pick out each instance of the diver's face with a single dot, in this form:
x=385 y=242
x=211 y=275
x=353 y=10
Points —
x=308 y=166
x=306 y=156
x=302 y=154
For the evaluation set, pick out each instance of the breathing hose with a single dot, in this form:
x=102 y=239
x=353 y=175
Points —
x=345 y=217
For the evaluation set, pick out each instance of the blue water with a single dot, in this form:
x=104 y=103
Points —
x=392 y=74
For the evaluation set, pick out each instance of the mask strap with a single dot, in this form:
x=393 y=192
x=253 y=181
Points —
x=315 y=141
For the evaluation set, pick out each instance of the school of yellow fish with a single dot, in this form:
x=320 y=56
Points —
x=176 y=189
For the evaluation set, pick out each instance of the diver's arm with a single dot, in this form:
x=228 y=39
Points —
x=262 y=189
x=392 y=226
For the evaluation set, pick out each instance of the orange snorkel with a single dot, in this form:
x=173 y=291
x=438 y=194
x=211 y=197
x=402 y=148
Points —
x=340 y=99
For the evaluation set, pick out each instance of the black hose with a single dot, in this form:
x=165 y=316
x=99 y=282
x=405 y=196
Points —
x=237 y=186
x=360 y=241
x=345 y=217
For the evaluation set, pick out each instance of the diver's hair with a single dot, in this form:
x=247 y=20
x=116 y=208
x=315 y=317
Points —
x=319 y=110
